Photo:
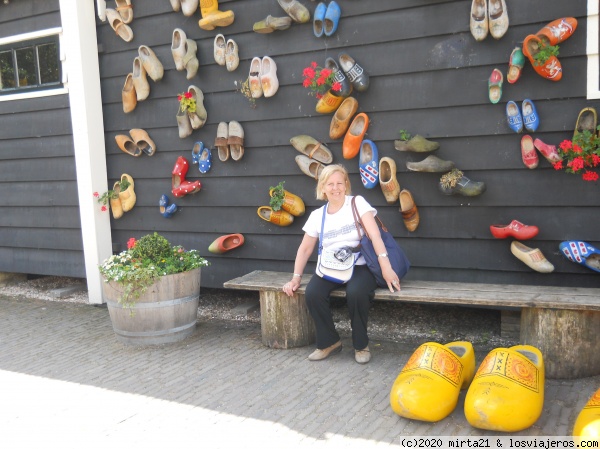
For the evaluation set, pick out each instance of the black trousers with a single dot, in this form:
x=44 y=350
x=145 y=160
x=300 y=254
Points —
x=360 y=291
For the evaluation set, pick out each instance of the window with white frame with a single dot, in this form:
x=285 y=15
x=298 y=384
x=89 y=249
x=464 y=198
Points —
x=32 y=65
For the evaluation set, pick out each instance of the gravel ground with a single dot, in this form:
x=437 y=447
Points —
x=408 y=323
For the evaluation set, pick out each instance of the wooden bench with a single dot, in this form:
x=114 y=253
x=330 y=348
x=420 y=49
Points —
x=562 y=322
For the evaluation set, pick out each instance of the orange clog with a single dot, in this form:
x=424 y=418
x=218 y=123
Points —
x=354 y=136
x=558 y=30
x=226 y=243
x=279 y=218
x=550 y=69
x=341 y=119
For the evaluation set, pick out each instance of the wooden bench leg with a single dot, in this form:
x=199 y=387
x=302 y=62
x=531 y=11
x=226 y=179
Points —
x=568 y=339
x=285 y=321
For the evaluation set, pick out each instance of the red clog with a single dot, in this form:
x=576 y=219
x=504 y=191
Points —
x=226 y=243
x=528 y=153
x=354 y=136
x=558 y=30
x=551 y=69
x=515 y=229
x=548 y=151
x=186 y=188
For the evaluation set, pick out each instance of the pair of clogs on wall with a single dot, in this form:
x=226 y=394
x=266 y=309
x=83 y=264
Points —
x=230 y=141
x=326 y=19
x=226 y=52
x=187 y=120
x=292 y=206
x=262 y=78
x=119 y=18
x=137 y=87
x=315 y=155
x=124 y=197
x=140 y=142
x=179 y=185
x=332 y=99
x=505 y=394
x=184 y=53
x=202 y=156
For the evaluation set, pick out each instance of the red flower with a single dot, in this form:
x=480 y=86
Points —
x=595 y=160
x=590 y=176
x=320 y=81
x=558 y=165
x=313 y=65
x=325 y=73
x=337 y=86
x=566 y=145
x=188 y=95
x=96 y=194
x=308 y=72
x=319 y=96
x=307 y=82
x=179 y=97
x=130 y=243
x=576 y=164
x=103 y=208
x=577 y=149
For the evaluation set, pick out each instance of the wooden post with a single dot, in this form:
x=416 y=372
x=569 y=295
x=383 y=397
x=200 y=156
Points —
x=568 y=339
x=285 y=321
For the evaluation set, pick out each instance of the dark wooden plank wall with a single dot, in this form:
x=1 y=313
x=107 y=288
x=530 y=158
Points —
x=40 y=230
x=428 y=76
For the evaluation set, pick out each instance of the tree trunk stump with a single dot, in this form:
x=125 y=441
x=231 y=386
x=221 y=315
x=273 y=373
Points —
x=568 y=339
x=285 y=321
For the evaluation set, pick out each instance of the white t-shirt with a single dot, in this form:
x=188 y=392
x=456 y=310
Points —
x=339 y=229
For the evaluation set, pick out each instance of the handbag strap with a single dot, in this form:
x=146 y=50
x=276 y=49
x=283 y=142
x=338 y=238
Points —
x=354 y=211
x=358 y=221
x=322 y=226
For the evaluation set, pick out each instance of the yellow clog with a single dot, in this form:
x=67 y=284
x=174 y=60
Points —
x=587 y=425
x=428 y=386
x=507 y=393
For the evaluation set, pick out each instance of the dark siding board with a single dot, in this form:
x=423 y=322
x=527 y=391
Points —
x=20 y=16
x=41 y=238
x=40 y=261
x=430 y=80
x=43 y=194
x=41 y=217
x=35 y=123
x=36 y=170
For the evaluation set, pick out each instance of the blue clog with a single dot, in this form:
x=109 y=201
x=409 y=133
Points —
x=166 y=210
x=368 y=164
x=332 y=18
x=514 y=117
x=196 y=150
x=531 y=119
x=318 y=19
x=205 y=160
x=582 y=253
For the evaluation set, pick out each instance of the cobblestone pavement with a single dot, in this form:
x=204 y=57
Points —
x=65 y=379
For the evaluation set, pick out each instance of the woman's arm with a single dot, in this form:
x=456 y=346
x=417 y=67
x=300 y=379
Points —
x=387 y=271
x=306 y=248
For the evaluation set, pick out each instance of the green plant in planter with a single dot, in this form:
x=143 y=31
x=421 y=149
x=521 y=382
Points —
x=404 y=135
x=144 y=261
x=277 y=196
x=545 y=52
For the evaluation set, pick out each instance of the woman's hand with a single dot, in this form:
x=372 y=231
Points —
x=292 y=286
x=390 y=277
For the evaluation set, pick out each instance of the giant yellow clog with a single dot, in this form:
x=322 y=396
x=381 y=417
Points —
x=507 y=393
x=587 y=425
x=428 y=386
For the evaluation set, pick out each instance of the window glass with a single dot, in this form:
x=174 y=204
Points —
x=29 y=65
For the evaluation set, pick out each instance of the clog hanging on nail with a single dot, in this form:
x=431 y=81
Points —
x=507 y=392
x=528 y=153
x=409 y=210
x=495 y=86
x=498 y=18
x=226 y=243
x=127 y=195
x=514 y=117
x=479 y=24
x=582 y=253
x=532 y=257
x=332 y=18
x=387 y=180
x=318 y=18
x=514 y=229
x=355 y=135
x=558 y=30
x=515 y=65
x=531 y=120
x=312 y=148
x=429 y=384
x=368 y=164
x=550 y=69
x=279 y=218
x=166 y=210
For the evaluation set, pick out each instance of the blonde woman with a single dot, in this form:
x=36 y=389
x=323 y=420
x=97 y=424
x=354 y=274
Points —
x=339 y=231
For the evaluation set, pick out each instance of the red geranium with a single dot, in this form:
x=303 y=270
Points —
x=319 y=80
x=580 y=155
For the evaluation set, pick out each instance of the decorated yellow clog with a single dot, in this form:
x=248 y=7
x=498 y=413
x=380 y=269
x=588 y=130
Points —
x=507 y=393
x=428 y=386
x=587 y=425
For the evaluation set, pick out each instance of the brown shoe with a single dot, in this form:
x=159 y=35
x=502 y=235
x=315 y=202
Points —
x=387 y=179
x=322 y=354
x=363 y=356
x=409 y=211
x=341 y=119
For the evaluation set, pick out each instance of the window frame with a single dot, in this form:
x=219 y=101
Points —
x=592 y=45
x=38 y=91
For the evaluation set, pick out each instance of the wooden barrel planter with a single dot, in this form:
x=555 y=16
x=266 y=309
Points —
x=165 y=313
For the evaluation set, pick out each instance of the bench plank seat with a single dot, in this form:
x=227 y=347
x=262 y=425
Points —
x=455 y=293
x=562 y=322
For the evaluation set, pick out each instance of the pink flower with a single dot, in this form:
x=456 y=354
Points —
x=103 y=208
x=130 y=243
x=96 y=194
